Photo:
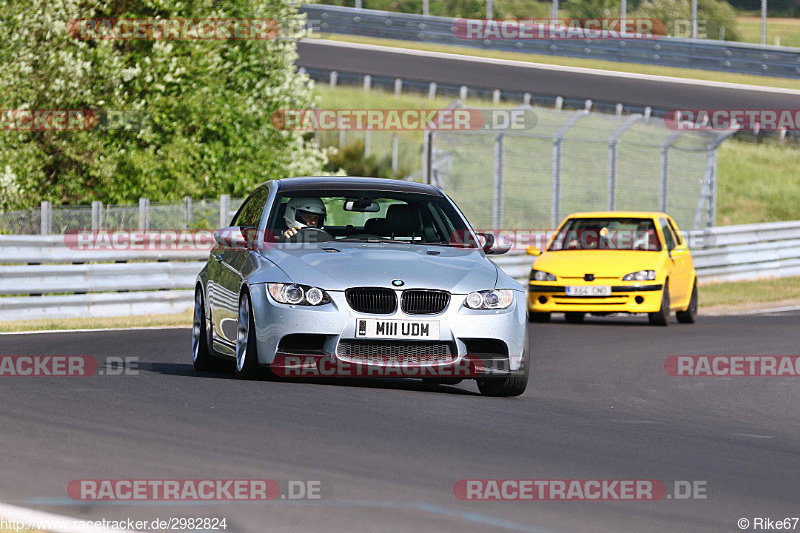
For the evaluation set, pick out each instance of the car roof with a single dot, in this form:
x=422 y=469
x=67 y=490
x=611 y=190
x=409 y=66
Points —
x=618 y=214
x=318 y=183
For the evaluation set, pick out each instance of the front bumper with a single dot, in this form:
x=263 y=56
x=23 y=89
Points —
x=630 y=298
x=336 y=321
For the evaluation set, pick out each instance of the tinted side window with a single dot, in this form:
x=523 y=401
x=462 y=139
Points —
x=669 y=238
x=677 y=233
x=249 y=214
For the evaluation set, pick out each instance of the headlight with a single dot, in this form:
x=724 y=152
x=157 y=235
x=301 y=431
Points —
x=290 y=293
x=640 y=275
x=496 y=299
x=541 y=275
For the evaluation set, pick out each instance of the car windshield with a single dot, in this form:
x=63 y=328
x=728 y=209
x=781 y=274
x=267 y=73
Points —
x=607 y=234
x=372 y=216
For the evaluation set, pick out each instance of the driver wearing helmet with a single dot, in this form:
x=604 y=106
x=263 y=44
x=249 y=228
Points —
x=303 y=213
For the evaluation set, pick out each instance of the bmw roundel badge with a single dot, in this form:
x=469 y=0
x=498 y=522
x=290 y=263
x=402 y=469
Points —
x=398 y=282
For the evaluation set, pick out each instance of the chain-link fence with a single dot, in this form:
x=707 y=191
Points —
x=190 y=214
x=576 y=161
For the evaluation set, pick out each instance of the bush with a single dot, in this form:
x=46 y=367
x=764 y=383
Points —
x=716 y=13
x=207 y=104
x=351 y=160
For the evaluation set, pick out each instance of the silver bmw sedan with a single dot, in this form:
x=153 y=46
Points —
x=359 y=277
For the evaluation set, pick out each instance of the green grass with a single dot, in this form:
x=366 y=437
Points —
x=183 y=319
x=616 y=66
x=758 y=182
x=788 y=30
x=748 y=292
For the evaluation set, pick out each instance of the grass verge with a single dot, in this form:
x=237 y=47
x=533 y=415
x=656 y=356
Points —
x=737 y=293
x=183 y=319
x=758 y=182
x=616 y=66
x=786 y=29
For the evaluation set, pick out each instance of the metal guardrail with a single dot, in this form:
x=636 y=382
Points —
x=160 y=282
x=668 y=51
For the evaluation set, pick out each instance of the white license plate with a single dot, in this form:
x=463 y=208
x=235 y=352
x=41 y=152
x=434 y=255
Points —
x=589 y=290
x=397 y=329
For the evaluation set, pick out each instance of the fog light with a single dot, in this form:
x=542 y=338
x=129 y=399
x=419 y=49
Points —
x=542 y=299
x=639 y=299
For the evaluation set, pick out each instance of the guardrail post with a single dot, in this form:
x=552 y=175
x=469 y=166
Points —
x=526 y=98
x=496 y=97
x=367 y=82
x=462 y=92
x=144 y=214
x=334 y=78
x=187 y=202
x=47 y=218
x=425 y=10
x=497 y=206
x=432 y=90
x=559 y=102
x=97 y=215
x=367 y=142
x=619 y=110
x=588 y=105
x=342 y=133
x=398 y=87
x=224 y=210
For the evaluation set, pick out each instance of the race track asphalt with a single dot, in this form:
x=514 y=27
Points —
x=599 y=405
x=602 y=86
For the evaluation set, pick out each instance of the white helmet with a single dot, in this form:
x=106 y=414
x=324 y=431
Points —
x=313 y=206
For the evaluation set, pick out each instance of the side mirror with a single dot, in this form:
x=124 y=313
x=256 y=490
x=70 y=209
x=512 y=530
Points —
x=494 y=246
x=231 y=237
x=533 y=250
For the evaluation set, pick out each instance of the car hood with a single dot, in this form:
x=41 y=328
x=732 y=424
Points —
x=601 y=263
x=338 y=266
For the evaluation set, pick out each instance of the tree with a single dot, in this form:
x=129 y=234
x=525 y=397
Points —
x=206 y=104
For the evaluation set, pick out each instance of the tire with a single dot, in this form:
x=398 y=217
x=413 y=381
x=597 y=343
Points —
x=574 y=317
x=513 y=385
x=689 y=315
x=201 y=354
x=246 y=366
x=539 y=317
x=661 y=318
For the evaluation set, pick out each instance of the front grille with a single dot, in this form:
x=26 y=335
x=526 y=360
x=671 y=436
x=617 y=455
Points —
x=372 y=300
x=424 y=302
x=392 y=352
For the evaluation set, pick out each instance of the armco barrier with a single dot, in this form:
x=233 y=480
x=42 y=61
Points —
x=39 y=277
x=675 y=52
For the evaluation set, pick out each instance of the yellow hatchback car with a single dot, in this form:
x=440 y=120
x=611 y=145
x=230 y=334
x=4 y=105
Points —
x=614 y=262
